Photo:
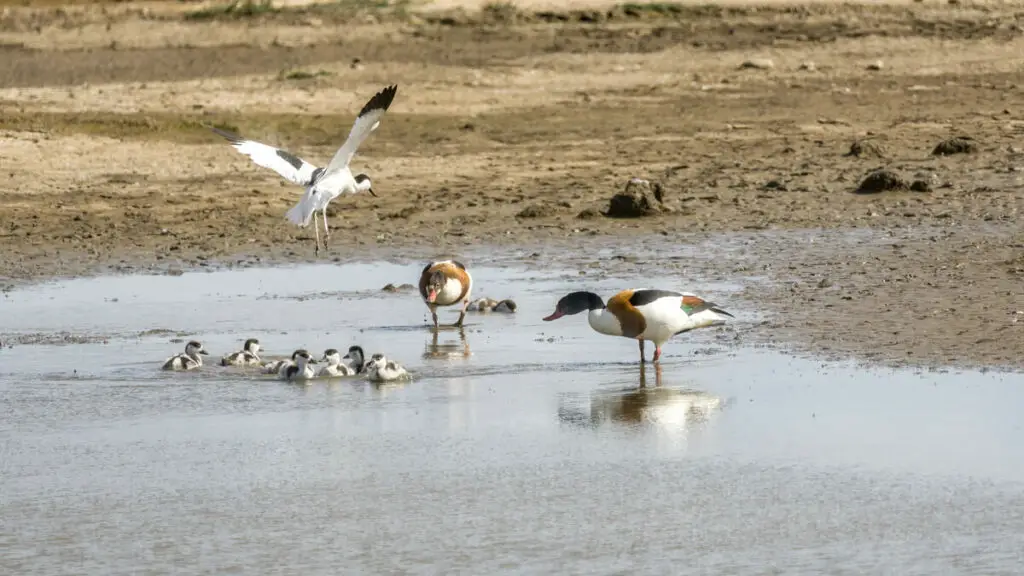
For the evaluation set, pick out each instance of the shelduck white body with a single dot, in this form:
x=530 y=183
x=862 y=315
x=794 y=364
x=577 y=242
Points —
x=643 y=314
x=190 y=360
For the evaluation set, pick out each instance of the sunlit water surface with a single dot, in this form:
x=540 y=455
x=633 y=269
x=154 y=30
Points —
x=520 y=447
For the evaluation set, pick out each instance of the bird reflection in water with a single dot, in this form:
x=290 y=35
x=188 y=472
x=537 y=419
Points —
x=645 y=405
x=450 y=349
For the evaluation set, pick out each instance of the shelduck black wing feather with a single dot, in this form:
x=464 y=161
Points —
x=644 y=297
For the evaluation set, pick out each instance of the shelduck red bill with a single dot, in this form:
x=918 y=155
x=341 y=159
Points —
x=431 y=295
x=554 y=316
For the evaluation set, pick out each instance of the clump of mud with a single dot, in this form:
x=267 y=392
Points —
x=957 y=145
x=641 y=198
x=882 y=181
x=530 y=212
x=866 y=149
x=400 y=288
x=757 y=64
x=920 y=186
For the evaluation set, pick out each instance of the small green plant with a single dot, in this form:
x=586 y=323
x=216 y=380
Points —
x=234 y=9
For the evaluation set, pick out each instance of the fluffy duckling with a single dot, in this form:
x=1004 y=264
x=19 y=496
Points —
x=276 y=366
x=301 y=370
x=354 y=359
x=380 y=369
x=490 y=305
x=249 y=355
x=654 y=315
x=334 y=367
x=190 y=360
x=444 y=283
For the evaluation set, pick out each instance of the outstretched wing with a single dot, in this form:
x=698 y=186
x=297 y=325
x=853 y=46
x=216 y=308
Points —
x=286 y=164
x=366 y=122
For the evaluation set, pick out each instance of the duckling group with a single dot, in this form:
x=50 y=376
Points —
x=301 y=367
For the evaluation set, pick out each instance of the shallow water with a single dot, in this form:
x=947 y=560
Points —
x=538 y=452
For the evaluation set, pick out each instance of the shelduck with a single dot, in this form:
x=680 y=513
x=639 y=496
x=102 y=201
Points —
x=249 y=355
x=354 y=359
x=276 y=366
x=301 y=370
x=380 y=369
x=190 y=360
x=445 y=283
x=649 y=314
x=334 y=367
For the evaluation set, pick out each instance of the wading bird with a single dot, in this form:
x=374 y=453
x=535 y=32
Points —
x=654 y=315
x=444 y=283
x=322 y=184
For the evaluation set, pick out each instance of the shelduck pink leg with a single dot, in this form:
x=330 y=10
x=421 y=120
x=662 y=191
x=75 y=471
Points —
x=657 y=353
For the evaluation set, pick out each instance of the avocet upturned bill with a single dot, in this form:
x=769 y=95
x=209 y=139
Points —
x=654 y=315
x=322 y=184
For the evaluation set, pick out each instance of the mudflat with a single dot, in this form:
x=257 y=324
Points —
x=762 y=128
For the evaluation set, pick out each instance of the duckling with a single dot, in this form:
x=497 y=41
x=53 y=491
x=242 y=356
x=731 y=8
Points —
x=507 y=306
x=491 y=305
x=334 y=367
x=354 y=360
x=301 y=370
x=276 y=366
x=190 y=360
x=482 y=305
x=247 y=356
x=380 y=369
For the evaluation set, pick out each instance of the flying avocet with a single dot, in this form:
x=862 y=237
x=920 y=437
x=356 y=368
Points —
x=322 y=184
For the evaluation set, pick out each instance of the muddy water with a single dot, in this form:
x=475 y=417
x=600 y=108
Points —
x=520 y=447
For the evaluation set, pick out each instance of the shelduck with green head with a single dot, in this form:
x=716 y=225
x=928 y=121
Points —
x=642 y=314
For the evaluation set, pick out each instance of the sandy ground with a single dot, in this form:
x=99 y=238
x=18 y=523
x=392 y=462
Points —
x=513 y=126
